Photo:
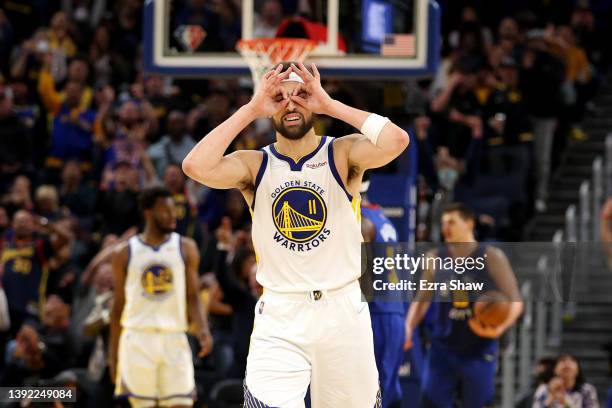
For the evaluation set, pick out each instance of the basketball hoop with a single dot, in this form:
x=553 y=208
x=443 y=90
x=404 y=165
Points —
x=263 y=53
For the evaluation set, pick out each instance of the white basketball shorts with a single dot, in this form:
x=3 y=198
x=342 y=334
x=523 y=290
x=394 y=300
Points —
x=322 y=339
x=155 y=369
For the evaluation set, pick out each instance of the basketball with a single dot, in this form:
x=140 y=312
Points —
x=492 y=308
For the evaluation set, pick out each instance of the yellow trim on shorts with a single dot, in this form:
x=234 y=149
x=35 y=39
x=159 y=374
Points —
x=356 y=206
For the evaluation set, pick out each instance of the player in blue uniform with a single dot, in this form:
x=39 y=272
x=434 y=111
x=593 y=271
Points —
x=388 y=315
x=462 y=358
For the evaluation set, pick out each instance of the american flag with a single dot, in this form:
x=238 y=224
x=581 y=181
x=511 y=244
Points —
x=398 y=45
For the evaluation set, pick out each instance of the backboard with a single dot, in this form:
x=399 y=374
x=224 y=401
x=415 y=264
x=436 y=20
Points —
x=367 y=39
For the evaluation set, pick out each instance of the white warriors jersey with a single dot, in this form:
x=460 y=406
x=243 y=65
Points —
x=155 y=291
x=306 y=226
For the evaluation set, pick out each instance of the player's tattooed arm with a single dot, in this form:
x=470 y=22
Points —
x=362 y=153
x=119 y=262
x=194 y=305
x=207 y=162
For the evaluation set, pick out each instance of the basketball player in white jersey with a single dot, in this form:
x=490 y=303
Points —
x=311 y=327
x=156 y=289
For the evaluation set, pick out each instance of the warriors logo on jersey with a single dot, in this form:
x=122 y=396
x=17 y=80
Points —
x=299 y=214
x=305 y=223
x=155 y=286
x=156 y=281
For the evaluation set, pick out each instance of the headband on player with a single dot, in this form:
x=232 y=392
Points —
x=293 y=77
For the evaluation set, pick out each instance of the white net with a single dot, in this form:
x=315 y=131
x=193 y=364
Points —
x=262 y=53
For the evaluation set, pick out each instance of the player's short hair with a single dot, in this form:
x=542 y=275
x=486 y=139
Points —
x=149 y=196
x=465 y=212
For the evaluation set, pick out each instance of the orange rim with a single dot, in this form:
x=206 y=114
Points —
x=277 y=49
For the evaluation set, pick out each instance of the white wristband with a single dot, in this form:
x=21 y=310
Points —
x=372 y=126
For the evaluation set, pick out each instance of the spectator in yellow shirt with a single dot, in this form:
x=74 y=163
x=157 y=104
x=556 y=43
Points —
x=576 y=61
x=577 y=86
x=59 y=38
x=78 y=71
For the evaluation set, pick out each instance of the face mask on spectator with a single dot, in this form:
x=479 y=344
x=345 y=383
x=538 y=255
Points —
x=447 y=177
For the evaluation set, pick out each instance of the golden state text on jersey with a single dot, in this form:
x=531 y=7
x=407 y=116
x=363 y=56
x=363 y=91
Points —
x=300 y=214
x=306 y=230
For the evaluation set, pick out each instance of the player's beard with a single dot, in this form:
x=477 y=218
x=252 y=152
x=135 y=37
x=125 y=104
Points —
x=164 y=229
x=293 y=132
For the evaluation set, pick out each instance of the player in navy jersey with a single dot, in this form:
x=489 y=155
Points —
x=387 y=316
x=462 y=358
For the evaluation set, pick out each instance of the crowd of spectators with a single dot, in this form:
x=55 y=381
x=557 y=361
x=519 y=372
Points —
x=506 y=100
x=83 y=129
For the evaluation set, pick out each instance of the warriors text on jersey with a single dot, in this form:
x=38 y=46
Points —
x=155 y=293
x=306 y=228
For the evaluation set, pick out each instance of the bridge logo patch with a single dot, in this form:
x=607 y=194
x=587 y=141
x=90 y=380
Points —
x=156 y=281
x=299 y=214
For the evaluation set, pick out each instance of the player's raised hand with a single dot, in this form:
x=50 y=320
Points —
x=269 y=98
x=311 y=94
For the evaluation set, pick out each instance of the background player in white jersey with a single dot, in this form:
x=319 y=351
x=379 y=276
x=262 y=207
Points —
x=311 y=327
x=156 y=288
